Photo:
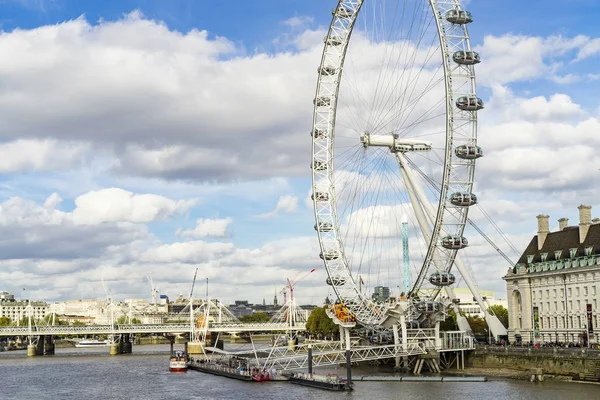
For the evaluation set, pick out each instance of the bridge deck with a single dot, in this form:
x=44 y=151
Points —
x=143 y=328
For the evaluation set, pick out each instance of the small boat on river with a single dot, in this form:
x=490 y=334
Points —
x=329 y=382
x=178 y=362
x=92 y=343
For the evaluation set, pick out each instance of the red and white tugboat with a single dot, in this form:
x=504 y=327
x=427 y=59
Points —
x=178 y=362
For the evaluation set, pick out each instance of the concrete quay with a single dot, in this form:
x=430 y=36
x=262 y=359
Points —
x=539 y=364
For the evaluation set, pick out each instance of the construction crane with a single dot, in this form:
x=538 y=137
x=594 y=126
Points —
x=154 y=291
x=291 y=283
x=192 y=328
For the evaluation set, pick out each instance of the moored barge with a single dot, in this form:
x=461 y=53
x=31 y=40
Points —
x=329 y=382
x=214 y=368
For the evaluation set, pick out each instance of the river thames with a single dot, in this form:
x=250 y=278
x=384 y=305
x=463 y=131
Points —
x=93 y=374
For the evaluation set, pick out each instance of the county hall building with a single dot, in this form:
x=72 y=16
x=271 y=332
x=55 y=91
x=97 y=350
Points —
x=554 y=288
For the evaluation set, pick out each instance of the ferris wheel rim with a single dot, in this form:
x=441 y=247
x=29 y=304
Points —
x=344 y=16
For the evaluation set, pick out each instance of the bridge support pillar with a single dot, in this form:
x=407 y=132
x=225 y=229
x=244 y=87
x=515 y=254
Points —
x=348 y=358
x=48 y=345
x=396 y=343
x=196 y=347
x=125 y=345
x=291 y=344
x=310 y=360
x=114 y=349
x=32 y=350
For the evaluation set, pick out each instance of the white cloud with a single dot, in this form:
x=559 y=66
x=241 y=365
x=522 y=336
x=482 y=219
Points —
x=41 y=155
x=589 y=49
x=286 y=204
x=114 y=204
x=513 y=58
x=187 y=252
x=156 y=104
x=161 y=101
x=207 y=228
x=298 y=21
x=559 y=107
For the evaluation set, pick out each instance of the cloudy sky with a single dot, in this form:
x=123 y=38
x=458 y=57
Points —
x=150 y=138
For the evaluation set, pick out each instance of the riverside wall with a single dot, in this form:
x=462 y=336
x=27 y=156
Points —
x=575 y=362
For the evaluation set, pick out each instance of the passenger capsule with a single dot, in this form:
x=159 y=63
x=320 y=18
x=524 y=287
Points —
x=469 y=103
x=318 y=133
x=319 y=165
x=454 y=242
x=327 y=70
x=324 y=227
x=459 y=17
x=428 y=306
x=329 y=255
x=442 y=279
x=320 y=196
x=335 y=281
x=468 y=152
x=322 y=101
x=466 y=57
x=463 y=199
x=342 y=12
x=333 y=40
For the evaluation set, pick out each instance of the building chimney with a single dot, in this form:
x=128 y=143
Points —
x=563 y=223
x=543 y=229
x=585 y=220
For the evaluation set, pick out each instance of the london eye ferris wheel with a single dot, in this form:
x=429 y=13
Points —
x=394 y=140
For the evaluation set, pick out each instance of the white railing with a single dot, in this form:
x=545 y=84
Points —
x=338 y=356
x=142 y=328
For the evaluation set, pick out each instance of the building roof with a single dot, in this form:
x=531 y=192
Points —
x=564 y=240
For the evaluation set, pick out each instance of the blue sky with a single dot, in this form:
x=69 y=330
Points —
x=236 y=159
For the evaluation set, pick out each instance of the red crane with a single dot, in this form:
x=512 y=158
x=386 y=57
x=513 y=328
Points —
x=290 y=284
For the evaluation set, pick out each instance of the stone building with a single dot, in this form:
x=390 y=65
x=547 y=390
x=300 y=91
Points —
x=469 y=306
x=553 y=290
x=16 y=310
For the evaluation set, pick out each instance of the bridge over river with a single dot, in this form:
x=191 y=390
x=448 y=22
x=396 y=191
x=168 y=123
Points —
x=120 y=329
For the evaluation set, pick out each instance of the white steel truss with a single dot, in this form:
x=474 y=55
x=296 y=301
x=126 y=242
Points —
x=141 y=328
x=458 y=172
x=338 y=356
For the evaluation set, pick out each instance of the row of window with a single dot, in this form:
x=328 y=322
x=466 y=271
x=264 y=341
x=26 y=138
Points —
x=574 y=322
x=562 y=305
x=559 y=279
x=558 y=253
x=554 y=265
x=562 y=292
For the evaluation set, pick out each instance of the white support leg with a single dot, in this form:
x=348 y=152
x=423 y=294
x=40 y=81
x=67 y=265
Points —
x=495 y=325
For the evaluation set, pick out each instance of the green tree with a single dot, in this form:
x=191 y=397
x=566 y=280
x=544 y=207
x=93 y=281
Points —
x=5 y=321
x=257 y=317
x=124 y=320
x=479 y=327
x=48 y=319
x=25 y=321
x=450 y=323
x=502 y=313
x=319 y=323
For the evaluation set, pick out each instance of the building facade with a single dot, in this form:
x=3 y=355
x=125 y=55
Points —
x=16 y=310
x=469 y=306
x=553 y=290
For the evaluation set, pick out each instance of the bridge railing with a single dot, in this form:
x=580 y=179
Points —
x=564 y=352
x=142 y=328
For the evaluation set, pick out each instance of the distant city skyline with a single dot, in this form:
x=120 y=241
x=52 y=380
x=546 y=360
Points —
x=149 y=138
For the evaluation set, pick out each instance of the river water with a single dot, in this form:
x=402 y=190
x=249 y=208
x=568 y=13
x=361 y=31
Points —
x=93 y=374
